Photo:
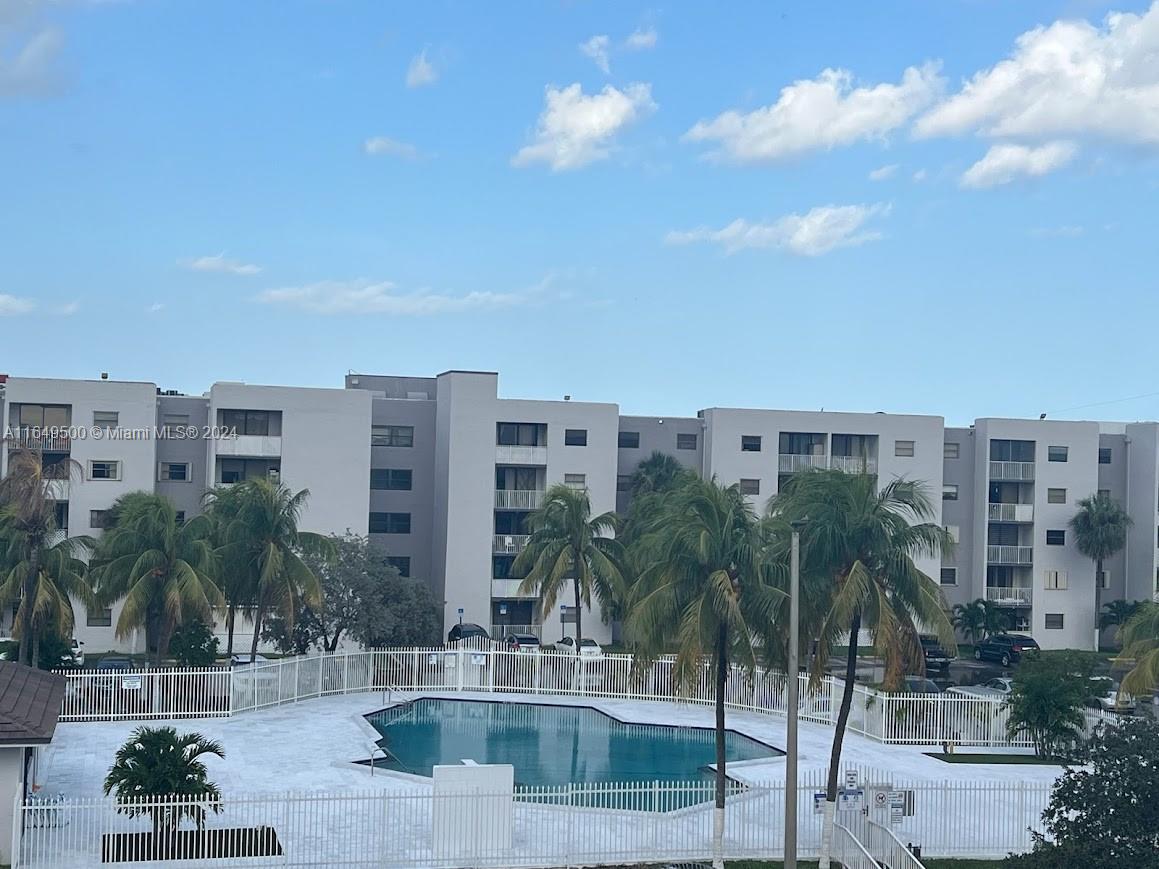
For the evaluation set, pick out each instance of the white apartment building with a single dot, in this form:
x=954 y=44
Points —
x=443 y=472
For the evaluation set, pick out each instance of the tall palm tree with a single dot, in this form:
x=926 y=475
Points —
x=979 y=619
x=859 y=543
x=237 y=578
x=1100 y=530
x=567 y=545
x=162 y=570
x=705 y=591
x=659 y=472
x=1140 y=638
x=1117 y=613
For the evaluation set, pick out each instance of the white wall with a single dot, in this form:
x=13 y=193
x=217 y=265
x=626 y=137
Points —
x=11 y=784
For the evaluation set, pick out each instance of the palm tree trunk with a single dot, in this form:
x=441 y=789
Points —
x=164 y=635
x=721 y=775
x=838 y=738
x=27 y=594
x=230 y=613
x=1098 y=597
x=36 y=648
x=578 y=613
x=258 y=613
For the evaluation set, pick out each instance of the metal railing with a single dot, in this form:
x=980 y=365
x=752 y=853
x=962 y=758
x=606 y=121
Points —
x=511 y=454
x=42 y=441
x=790 y=463
x=1010 y=512
x=509 y=544
x=1017 y=595
x=1010 y=554
x=1015 y=471
x=500 y=632
x=518 y=499
x=853 y=464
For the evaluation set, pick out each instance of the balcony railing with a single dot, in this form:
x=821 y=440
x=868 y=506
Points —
x=250 y=446
x=42 y=441
x=509 y=588
x=1009 y=595
x=853 y=464
x=1011 y=512
x=509 y=544
x=1009 y=554
x=790 y=463
x=508 y=454
x=501 y=632
x=518 y=499
x=1015 y=471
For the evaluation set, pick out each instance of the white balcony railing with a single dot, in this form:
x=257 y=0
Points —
x=501 y=632
x=509 y=588
x=518 y=499
x=250 y=446
x=1011 y=512
x=506 y=454
x=509 y=544
x=1011 y=595
x=790 y=463
x=853 y=464
x=45 y=442
x=1018 y=471
x=1009 y=554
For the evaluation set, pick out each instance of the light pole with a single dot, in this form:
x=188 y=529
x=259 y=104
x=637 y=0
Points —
x=793 y=689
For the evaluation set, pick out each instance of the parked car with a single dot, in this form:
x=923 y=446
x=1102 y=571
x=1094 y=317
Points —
x=589 y=648
x=995 y=688
x=1107 y=695
x=114 y=663
x=75 y=657
x=466 y=631
x=1006 y=649
x=920 y=685
x=9 y=648
x=522 y=643
x=245 y=659
x=937 y=658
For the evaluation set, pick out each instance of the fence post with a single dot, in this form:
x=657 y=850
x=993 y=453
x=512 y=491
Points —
x=346 y=673
x=17 y=805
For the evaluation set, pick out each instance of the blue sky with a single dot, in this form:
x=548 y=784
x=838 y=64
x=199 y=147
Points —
x=906 y=206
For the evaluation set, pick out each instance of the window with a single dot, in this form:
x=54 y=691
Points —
x=392 y=435
x=575 y=481
x=390 y=523
x=263 y=423
x=1054 y=580
x=99 y=618
x=401 y=563
x=949 y=576
x=685 y=441
x=750 y=487
x=98 y=518
x=951 y=450
x=1103 y=493
x=394 y=479
x=750 y=443
x=41 y=415
x=803 y=443
x=1104 y=455
x=1104 y=579
x=521 y=434
x=1057 y=454
x=953 y=531
x=174 y=472
x=575 y=437
x=104 y=470
x=180 y=516
x=1011 y=451
x=629 y=440
x=903 y=448
x=950 y=492
x=623 y=482
x=172 y=421
x=1054 y=621
x=1055 y=537
x=105 y=419
x=1056 y=496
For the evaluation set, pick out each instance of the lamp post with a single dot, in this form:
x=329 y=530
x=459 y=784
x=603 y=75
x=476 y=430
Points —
x=792 y=690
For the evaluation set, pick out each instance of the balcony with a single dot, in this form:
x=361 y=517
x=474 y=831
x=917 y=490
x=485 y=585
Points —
x=251 y=446
x=500 y=632
x=41 y=441
x=1009 y=554
x=1009 y=595
x=509 y=544
x=1010 y=512
x=790 y=463
x=853 y=464
x=508 y=454
x=509 y=588
x=518 y=499
x=1020 y=472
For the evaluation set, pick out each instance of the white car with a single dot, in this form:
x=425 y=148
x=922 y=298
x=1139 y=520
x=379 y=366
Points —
x=240 y=660
x=76 y=656
x=998 y=689
x=1106 y=694
x=589 y=648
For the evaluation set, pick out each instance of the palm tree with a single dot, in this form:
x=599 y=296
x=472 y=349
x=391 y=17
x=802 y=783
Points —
x=979 y=619
x=568 y=544
x=163 y=570
x=1117 y=613
x=1100 y=530
x=237 y=580
x=158 y=762
x=1140 y=638
x=704 y=590
x=860 y=543
x=659 y=472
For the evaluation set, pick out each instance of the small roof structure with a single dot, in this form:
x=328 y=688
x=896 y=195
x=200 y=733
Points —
x=30 y=702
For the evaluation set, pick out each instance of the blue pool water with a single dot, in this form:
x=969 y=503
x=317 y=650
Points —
x=551 y=745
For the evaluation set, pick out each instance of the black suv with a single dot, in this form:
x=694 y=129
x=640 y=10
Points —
x=1006 y=649
x=936 y=657
x=466 y=631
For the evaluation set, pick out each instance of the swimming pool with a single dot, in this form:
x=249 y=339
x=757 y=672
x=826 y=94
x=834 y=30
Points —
x=551 y=745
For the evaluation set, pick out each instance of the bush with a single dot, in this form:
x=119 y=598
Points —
x=194 y=645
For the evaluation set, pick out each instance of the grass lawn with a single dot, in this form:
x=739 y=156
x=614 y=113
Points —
x=1032 y=760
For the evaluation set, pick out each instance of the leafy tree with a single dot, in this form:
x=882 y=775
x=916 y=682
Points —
x=1117 y=613
x=1046 y=699
x=159 y=762
x=704 y=589
x=1100 y=529
x=979 y=619
x=194 y=645
x=1140 y=638
x=567 y=545
x=858 y=546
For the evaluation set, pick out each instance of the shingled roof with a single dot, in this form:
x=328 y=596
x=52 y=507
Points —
x=29 y=704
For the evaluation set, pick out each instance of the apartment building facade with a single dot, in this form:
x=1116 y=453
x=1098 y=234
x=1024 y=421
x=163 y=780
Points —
x=442 y=473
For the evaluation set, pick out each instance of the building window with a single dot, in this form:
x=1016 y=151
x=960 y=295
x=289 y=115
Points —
x=104 y=470
x=179 y=515
x=1054 y=580
x=174 y=472
x=629 y=440
x=1054 y=621
x=98 y=518
x=575 y=481
x=575 y=437
x=392 y=435
x=1104 y=455
x=1056 y=454
x=263 y=423
x=401 y=563
x=105 y=419
x=390 y=523
x=623 y=482
x=1056 y=496
x=685 y=441
x=750 y=443
x=953 y=531
x=951 y=450
x=903 y=448
x=1055 y=537
x=170 y=422
x=950 y=492
x=1103 y=493
x=393 y=479
x=750 y=487
x=99 y=618
x=949 y=576
x=41 y=415
x=1104 y=579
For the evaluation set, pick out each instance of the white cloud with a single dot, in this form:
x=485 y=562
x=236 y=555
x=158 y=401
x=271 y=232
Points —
x=642 y=39
x=219 y=263
x=67 y=309
x=421 y=71
x=380 y=145
x=1057 y=231
x=1069 y=79
x=1003 y=164
x=821 y=230
x=367 y=297
x=31 y=69
x=576 y=129
x=883 y=172
x=920 y=175
x=597 y=49
x=819 y=114
x=155 y=308
x=10 y=306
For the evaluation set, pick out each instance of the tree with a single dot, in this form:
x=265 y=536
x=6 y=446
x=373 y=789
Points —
x=158 y=762
x=1140 y=638
x=979 y=619
x=568 y=544
x=1117 y=613
x=194 y=645
x=161 y=569
x=237 y=579
x=1100 y=530
x=704 y=590
x=858 y=546
x=1046 y=700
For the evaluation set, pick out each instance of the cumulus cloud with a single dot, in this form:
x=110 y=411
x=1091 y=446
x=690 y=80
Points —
x=817 y=115
x=576 y=129
x=219 y=263
x=10 y=306
x=920 y=175
x=597 y=49
x=1003 y=164
x=368 y=297
x=642 y=39
x=155 y=308
x=421 y=71
x=819 y=231
x=385 y=146
x=67 y=309
x=30 y=69
x=883 y=172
